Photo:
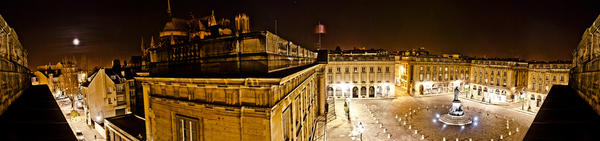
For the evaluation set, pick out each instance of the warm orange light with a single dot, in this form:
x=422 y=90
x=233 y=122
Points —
x=320 y=29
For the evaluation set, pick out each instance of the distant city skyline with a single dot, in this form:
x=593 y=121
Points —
x=110 y=30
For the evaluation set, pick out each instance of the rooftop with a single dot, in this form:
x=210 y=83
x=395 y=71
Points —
x=35 y=115
x=133 y=125
x=564 y=115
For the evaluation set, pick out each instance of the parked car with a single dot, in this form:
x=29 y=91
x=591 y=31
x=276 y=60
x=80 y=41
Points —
x=79 y=135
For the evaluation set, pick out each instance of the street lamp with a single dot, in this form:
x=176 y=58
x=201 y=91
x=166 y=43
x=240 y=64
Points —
x=361 y=129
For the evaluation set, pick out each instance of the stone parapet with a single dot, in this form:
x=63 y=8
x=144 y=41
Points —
x=585 y=74
x=14 y=75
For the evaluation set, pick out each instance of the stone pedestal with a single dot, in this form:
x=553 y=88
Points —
x=456 y=116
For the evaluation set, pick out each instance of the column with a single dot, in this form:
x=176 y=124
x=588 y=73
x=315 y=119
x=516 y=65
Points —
x=322 y=89
x=148 y=114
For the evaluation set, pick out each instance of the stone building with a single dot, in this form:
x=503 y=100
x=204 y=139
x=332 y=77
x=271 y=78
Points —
x=497 y=80
x=62 y=78
x=585 y=75
x=431 y=75
x=15 y=77
x=541 y=77
x=360 y=74
x=105 y=96
x=207 y=82
x=127 y=127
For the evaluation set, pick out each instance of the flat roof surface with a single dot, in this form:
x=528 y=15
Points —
x=35 y=115
x=131 y=124
x=277 y=74
x=564 y=115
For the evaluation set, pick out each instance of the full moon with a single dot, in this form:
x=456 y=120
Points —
x=76 y=41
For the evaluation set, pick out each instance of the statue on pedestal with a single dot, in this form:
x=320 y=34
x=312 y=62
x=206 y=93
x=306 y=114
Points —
x=456 y=116
x=456 y=109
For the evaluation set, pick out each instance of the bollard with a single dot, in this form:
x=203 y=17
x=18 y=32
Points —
x=517 y=129
x=444 y=139
x=404 y=123
x=415 y=132
x=422 y=137
x=456 y=139
x=409 y=126
x=384 y=130
x=470 y=139
x=389 y=136
x=380 y=125
x=509 y=133
x=396 y=115
x=501 y=137
x=377 y=121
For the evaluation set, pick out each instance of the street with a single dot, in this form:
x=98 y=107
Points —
x=78 y=122
x=374 y=113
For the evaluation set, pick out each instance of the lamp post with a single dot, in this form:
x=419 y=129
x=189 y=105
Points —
x=361 y=129
x=522 y=100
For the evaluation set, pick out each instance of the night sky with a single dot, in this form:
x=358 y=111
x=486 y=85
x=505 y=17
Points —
x=109 y=29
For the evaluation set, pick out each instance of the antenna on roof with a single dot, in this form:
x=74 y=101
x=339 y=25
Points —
x=169 y=8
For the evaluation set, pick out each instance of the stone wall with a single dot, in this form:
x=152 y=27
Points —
x=585 y=74
x=14 y=75
x=244 y=109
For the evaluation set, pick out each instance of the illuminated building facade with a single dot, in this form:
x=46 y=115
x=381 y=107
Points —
x=360 y=74
x=431 y=75
x=497 y=81
x=14 y=75
x=105 y=96
x=230 y=85
x=585 y=75
x=541 y=77
x=62 y=78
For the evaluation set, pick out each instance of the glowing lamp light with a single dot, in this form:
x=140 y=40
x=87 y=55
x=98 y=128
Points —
x=76 y=41
x=475 y=118
x=98 y=118
x=437 y=115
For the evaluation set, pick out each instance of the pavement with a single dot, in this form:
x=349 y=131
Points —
x=374 y=113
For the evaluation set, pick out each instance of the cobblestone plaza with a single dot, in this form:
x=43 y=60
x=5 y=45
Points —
x=490 y=123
